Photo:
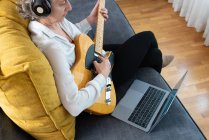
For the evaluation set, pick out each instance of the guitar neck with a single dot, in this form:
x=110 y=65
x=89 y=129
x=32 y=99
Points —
x=100 y=29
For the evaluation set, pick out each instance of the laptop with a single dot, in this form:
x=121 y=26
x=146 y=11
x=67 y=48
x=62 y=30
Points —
x=144 y=105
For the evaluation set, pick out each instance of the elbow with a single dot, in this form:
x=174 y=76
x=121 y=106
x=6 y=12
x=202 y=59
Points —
x=74 y=113
x=73 y=110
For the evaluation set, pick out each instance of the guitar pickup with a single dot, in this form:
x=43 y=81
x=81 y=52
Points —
x=108 y=91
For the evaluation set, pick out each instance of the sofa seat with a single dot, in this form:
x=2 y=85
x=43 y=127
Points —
x=177 y=124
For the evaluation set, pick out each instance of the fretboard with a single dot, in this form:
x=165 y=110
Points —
x=100 y=29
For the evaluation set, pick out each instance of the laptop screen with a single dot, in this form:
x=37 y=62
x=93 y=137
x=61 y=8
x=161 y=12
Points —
x=165 y=108
x=169 y=101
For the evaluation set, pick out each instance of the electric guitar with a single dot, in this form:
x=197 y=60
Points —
x=86 y=52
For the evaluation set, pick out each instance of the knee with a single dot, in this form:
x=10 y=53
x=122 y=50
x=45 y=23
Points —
x=148 y=34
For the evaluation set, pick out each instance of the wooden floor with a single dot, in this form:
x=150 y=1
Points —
x=185 y=44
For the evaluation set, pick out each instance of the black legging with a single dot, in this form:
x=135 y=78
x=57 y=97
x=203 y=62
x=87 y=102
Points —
x=141 y=50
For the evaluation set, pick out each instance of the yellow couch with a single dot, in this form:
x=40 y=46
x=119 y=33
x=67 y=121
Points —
x=27 y=89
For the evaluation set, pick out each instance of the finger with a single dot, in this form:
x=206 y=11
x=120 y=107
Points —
x=105 y=19
x=106 y=61
x=97 y=2
x=106 y=16
x=95 y=63
x=103 y=11
x=96 y=5
x=101 y=57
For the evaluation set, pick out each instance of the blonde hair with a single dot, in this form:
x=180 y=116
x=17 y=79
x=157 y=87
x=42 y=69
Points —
x=25 y=9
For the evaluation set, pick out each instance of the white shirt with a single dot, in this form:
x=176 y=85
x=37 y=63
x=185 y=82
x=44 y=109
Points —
x=60 y=53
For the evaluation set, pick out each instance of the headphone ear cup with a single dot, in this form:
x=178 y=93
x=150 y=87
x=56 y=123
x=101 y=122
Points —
x=41 y=7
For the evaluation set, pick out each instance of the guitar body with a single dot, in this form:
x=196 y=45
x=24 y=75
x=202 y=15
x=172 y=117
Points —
x=82 y=74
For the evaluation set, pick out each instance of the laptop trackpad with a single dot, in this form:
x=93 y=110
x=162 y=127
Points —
x=131 y=99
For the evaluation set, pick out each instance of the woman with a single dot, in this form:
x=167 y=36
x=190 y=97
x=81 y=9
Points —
x=54 y=35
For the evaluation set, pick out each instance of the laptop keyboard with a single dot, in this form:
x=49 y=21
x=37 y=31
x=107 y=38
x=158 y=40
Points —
x=147 y=106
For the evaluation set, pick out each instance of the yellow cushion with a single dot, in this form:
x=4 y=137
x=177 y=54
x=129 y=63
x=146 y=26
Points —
x=28 y=94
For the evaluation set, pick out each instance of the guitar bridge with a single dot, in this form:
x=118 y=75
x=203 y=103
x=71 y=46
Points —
x=108 y=91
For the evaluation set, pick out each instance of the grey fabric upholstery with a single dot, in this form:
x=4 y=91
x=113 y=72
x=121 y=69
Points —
x=10 y=131
x=177 y=124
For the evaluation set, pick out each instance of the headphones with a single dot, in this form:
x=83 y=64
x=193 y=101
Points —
x=41 y=7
